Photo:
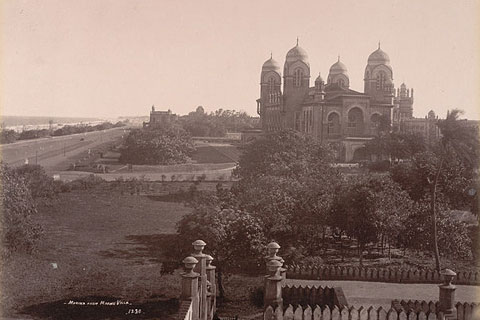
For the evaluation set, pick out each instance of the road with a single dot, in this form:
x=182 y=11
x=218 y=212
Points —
x=56 y=153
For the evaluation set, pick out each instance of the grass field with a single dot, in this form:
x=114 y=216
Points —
x=214 y=153
x=97 y=245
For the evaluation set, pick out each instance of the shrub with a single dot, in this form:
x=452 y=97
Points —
x=37 y=181
x=18 y=232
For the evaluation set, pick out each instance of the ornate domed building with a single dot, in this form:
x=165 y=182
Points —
x=332 y=112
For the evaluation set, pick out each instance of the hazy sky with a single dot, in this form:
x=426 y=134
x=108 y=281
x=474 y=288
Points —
x=118 y=57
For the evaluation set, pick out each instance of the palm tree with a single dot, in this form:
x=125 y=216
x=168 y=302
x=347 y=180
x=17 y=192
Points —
x=459 y=140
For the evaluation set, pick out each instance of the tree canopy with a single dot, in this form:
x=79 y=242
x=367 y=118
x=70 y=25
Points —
x=162 y=145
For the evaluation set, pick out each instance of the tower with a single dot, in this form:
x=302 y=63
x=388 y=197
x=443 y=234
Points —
x=296 y=82
x=404 y=100
x=338 y=75
x=378 y=79
x=268 y=106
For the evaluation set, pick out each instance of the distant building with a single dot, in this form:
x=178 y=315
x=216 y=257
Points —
x=159 y=118
x=425 y=127
x=331 y=111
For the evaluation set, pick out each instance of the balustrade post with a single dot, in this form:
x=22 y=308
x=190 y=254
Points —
x=447 y=295
x=190 y=285
x=273 y=285
x=272 y=250
x=201 y=268
x=213 y=286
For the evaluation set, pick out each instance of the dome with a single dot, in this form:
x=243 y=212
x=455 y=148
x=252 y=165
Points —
x=338 y=68
x=297 y=53
x=378 y=57
x=319 y=78
x=271 y=65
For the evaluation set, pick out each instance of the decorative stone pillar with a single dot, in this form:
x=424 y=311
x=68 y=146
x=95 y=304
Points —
x=190 y=284
x=272 y=250
x=447 y=295
x=198 y=246
x=213 y=287
x=273 y=285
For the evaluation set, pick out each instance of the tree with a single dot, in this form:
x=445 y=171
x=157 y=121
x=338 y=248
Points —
x=367 y=207
x=18 y=231
x=353 y=212
x=458 y=140
x=234 y=238
x=284 y=154
x=395 y=146
x=287 y=181
x=164 y=145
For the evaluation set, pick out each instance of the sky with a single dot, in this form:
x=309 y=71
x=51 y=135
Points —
x=108 y=58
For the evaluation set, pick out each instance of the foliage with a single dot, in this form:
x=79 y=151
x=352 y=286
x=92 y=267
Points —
x=395 y=146
x=453 y=235
x=69 y=129
x=217 y=123
x=416 y=177
x=37 y=181
x=159 y=145
x=287 y=181
x=18 y=231
x=284 y=154
x=8 y=136
x=366 y=207
x=33 y=134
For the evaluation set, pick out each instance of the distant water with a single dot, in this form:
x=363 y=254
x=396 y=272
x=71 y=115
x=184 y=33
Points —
x=15 y=121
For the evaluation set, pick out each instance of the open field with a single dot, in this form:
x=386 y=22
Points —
x=96 y=244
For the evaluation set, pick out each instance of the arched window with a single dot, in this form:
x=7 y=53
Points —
x=381 y=78
x=340 y=83
x=271 y=85
x=298 y=77
x=375 y=120
x=355 y=121
x=333 y=124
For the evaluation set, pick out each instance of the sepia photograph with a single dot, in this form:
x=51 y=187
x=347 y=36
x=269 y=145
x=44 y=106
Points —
x=239 y=160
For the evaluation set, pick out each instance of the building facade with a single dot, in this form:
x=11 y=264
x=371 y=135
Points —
x=331 y=111
x=159 y=118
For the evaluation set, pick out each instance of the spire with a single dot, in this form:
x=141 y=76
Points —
x=297 y=41
x=271 y=55
x=378 y=45
x=338 y=58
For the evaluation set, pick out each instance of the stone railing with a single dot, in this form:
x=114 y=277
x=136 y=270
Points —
x=198 y=296
x=371 y=313
x=314 y=295
x=395 y=275
x=464 y=310
x=331 y=303
x=277 y=293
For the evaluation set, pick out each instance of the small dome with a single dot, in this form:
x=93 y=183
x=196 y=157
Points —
x=338 y=68
x=319 y=78
x=378 y=57
x=271 y=65
x=297 y=53
x=403 y=86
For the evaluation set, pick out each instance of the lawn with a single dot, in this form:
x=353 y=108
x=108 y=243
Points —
x=97 y=245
